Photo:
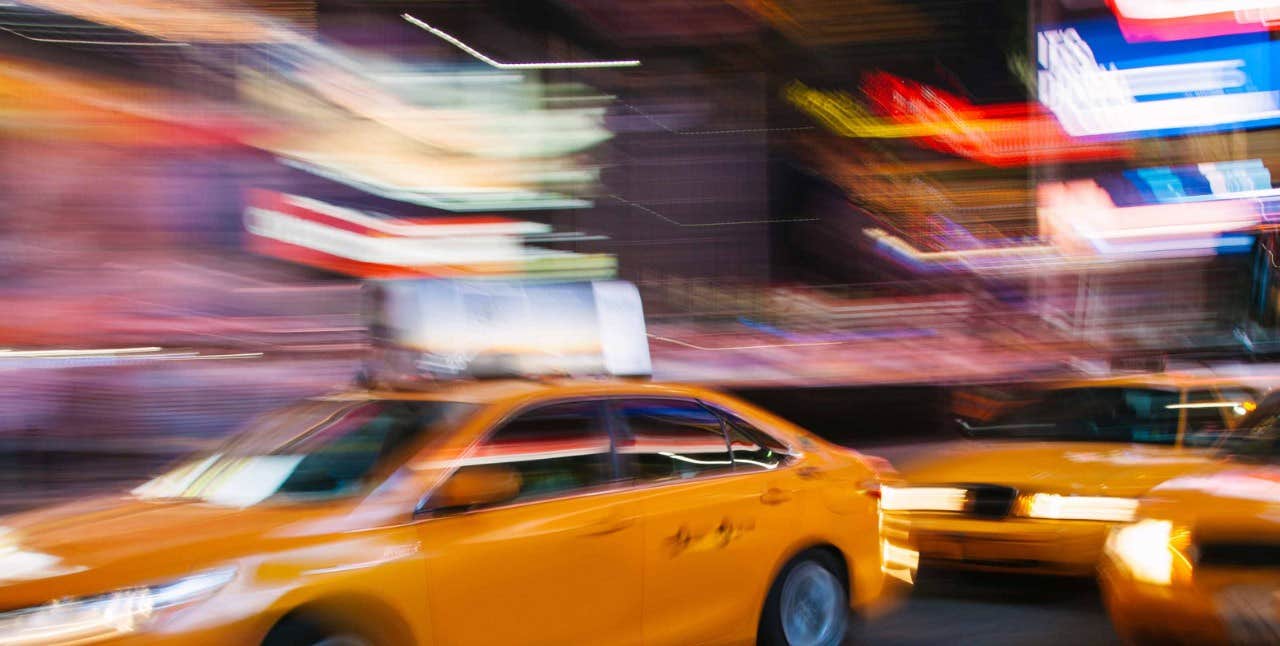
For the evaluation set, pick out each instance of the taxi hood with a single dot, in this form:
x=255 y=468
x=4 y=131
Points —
x=1081 y=468
x=1235 y=501
x=103 y=544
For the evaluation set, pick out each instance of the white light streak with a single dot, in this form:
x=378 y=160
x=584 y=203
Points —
x=516 y=66
x=1207 y=405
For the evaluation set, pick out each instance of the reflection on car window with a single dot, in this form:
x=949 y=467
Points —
x=555 y=449
x=752 y=449
x=671 y=438
x=1212 y=414
x=1100 y=414
x=1258 y=435
x=319 y=449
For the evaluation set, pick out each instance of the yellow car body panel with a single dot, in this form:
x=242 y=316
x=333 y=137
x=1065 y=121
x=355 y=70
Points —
x=670 y=562
x=1212 y=596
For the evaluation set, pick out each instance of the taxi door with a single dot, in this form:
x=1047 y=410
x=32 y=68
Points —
x=712 y=534
x=557 y=563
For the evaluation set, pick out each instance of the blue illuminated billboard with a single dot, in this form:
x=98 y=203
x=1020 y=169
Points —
x=1098 y=84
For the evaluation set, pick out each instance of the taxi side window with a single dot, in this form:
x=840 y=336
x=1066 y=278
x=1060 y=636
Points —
x=1143 y=415
x=671 y=439
x=753 y=449
x=555 y=449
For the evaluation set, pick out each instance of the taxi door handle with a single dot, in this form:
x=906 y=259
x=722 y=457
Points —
x=610 y=525
x=774 y=496
x=808 y=472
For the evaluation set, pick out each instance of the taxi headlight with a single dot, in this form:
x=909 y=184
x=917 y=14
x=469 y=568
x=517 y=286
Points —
x=90 y=619
x=1056 y=507
x=1144 y=549
x=922 y=498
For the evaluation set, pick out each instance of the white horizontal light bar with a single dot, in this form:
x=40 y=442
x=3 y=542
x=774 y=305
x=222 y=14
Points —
x=1183 y=78
x=516 y=66
x=1206 y=405
x=1169 y=114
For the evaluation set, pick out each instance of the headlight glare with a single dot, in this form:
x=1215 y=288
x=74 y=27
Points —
x=1056 y=507
x=90 y=619
x=1144 y=549
x=922 y=498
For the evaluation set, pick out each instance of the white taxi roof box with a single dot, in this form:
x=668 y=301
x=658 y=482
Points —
x=447 y=328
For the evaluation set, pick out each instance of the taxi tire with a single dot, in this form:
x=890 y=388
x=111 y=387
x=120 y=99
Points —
x=298 y=631
x=770 y=632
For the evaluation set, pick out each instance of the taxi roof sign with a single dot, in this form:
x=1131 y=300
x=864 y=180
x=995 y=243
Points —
x=486 y=328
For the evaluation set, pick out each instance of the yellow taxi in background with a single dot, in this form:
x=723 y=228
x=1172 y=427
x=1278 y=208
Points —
x=1201 y=562
x=1038 y=483
x=498 y=512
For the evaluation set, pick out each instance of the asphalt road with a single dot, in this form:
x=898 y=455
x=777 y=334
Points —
x=980 y=609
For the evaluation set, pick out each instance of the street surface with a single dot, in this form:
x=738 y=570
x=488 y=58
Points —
x=986 y=609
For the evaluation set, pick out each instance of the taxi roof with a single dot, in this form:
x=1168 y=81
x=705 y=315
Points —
x=1172 y=380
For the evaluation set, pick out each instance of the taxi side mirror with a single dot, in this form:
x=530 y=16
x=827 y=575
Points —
x=476 y=486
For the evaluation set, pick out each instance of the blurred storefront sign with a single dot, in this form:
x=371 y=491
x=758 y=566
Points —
x=1248 y=178
x=1081 y=218
x=352 y=242
x=1096 y=83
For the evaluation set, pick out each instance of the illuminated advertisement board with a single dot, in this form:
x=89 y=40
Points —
x=1098 y=84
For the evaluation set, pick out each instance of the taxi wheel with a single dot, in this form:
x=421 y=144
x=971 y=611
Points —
x=297 y=631
x=808 y=604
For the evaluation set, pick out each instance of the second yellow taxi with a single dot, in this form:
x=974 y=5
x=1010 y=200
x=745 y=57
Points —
x=1038 y=483
x=1201 y=562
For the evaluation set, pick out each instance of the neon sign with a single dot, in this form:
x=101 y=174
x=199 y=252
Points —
x=1095 y=83
x=1003 y=135
x=1208 y=181
x=1156 y=20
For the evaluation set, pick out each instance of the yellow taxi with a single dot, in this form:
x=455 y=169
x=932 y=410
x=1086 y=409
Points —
x=474 y=512
x=1039 y=481
x=1201 y=562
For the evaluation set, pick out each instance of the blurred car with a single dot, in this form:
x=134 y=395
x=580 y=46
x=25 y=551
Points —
x=1201 y=562
x=480 y=512
x=1038 y=482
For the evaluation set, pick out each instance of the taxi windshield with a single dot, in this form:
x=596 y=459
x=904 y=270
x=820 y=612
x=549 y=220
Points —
x=317 y=449
x=1258 y=436
x=1087 y=414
